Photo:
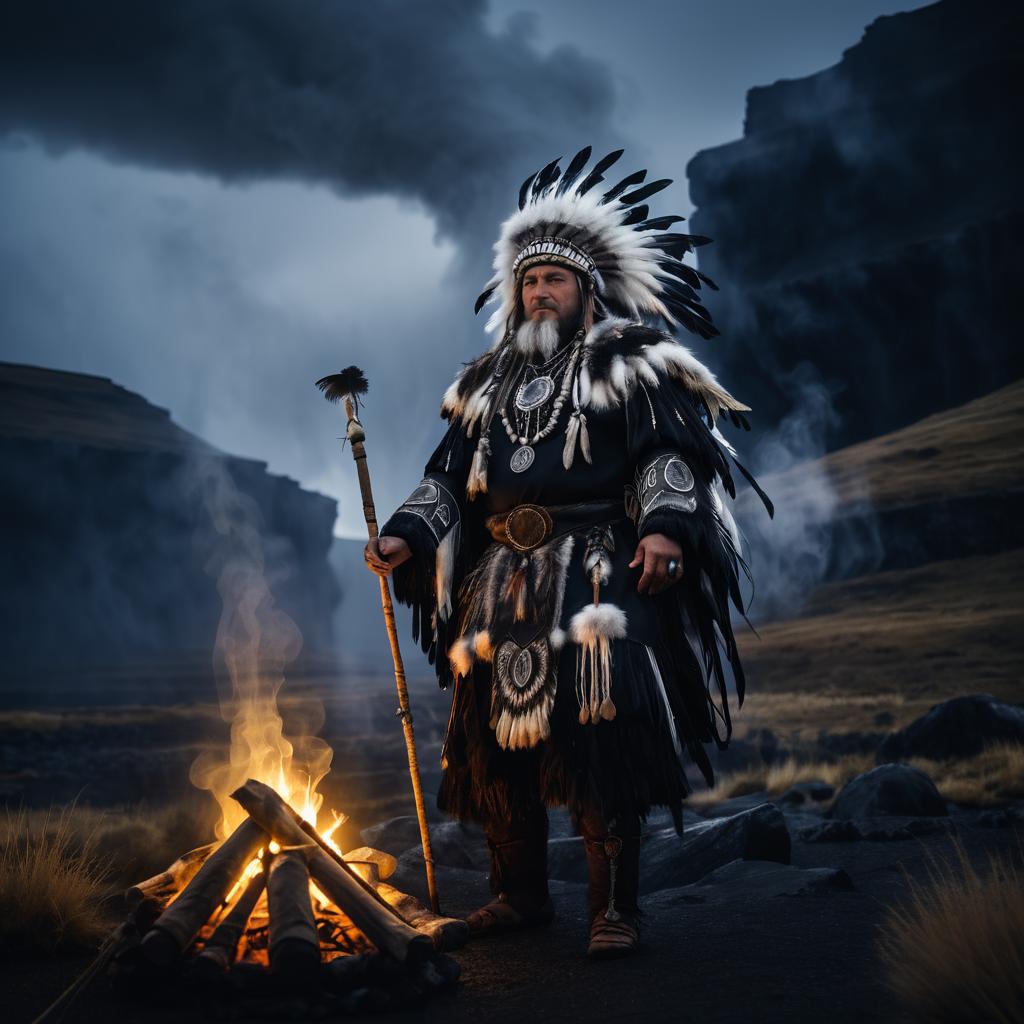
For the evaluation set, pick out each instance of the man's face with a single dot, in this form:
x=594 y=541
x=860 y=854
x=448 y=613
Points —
x=551 y=292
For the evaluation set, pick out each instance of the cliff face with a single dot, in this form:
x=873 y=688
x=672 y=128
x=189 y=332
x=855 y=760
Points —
x=869 y=223
x=115 y=526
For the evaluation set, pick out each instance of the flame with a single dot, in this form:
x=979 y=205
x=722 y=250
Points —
x=256 y=641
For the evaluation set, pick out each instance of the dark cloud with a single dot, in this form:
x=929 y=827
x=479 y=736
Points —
x=413 y=99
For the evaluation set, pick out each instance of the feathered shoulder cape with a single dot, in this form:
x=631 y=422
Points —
x=618 y=357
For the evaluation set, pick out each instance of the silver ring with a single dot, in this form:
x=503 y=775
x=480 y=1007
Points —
x=673 y=568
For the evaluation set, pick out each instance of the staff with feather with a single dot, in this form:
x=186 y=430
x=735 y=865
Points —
x=346 y=387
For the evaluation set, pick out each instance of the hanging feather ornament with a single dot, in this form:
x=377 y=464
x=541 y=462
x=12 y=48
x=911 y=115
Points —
x=576 y=430
x=477 y=482
x=594 y=629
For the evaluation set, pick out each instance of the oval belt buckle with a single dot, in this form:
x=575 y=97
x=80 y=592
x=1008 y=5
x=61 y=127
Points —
x=528 y=526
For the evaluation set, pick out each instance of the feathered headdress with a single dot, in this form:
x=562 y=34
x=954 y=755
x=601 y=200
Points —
x=634 y=262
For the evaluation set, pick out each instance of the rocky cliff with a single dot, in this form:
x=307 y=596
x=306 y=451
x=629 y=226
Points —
x=116 y=522
x=868 y=225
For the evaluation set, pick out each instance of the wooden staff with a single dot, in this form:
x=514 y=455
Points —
x=347 y=386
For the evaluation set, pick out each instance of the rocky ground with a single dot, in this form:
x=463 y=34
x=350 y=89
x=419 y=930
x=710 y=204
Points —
x=764 y=911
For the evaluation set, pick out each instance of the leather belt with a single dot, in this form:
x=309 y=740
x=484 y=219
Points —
x=527 y=527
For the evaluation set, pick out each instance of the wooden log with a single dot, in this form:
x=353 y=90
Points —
x=369 y=912
x=447 y=933
x=179 y=924
x=219 y=951
x=373 y=865
x=172 y=880
x=294 y=943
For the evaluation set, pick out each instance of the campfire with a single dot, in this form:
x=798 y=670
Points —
x=276 y=911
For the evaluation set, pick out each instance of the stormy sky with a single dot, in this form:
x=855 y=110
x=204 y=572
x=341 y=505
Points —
x=215 y=203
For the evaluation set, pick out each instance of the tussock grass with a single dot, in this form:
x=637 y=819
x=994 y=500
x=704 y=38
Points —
x=133 y=843
x=777 y=778
x=955 y=951
x=52 y=885
x=993 y=777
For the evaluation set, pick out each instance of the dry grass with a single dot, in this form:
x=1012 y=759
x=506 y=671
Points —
x=133 y=843
x=955 y=951
x=995 y=776
x=777 y=778
x=52 y=885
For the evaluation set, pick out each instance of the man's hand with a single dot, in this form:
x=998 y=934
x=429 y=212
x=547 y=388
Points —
x=654 y=553
x=385 y=553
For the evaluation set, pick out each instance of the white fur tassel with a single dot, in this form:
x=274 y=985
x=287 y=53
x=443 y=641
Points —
x=594 y=628
x=477 y=483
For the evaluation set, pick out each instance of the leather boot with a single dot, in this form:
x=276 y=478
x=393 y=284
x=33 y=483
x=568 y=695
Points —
x=613 y=864
x=519 y=880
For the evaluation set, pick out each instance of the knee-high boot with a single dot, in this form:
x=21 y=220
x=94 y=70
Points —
x=519 y=877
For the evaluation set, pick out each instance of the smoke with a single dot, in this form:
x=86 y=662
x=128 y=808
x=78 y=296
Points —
x=813 y=537
x=256 y=642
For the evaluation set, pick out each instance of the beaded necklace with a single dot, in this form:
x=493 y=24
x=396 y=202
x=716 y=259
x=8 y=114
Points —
x=533 y=413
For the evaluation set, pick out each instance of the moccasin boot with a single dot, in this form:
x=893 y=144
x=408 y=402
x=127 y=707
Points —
x=519 y=881
x=613 y=864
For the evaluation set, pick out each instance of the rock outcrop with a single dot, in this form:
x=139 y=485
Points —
x=869 y=223
x=959 y=727
x=115 y=519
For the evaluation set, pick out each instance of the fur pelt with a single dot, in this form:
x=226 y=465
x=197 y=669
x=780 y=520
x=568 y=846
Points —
x=619 y=356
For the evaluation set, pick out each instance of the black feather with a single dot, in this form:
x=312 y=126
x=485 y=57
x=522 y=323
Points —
x=661 y=223
x=616 y=190
x=681 y=271
x=525 y=188
x=483 y=297
x=350 y=381
x=757 y=490
x=635 y=215
x=572 y=172
x=547 y=175
x=597 y=174
x=648 y=190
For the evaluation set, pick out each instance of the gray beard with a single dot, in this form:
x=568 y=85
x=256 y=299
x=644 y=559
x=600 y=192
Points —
x=538 y=338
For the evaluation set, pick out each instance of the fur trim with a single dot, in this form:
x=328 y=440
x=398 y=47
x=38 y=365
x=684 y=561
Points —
x=596 y=621
x=619 y=356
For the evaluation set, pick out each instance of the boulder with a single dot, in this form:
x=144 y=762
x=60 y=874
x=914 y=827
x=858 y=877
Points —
x=452 y=844
x=889 y=789
x=751 y=880
x=956 y=728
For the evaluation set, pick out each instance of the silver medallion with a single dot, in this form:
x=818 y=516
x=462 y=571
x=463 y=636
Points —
x=678 y=475
x=532 y=394
x=522 y=459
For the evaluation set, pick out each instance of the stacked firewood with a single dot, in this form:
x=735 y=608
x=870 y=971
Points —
x=215 y=927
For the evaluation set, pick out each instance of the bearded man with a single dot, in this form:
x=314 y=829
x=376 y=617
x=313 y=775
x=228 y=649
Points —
x=568 y=556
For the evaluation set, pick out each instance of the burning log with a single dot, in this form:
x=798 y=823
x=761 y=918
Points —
x=219 y=950
x=447 y=933
x=179 y=924
x=172 y=880
x=380 y=922
x=294 y=942
x=372 y=865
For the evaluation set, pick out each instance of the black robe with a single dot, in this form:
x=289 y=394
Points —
x=647 y=404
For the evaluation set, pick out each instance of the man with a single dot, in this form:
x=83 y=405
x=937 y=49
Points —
x=567 y=556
